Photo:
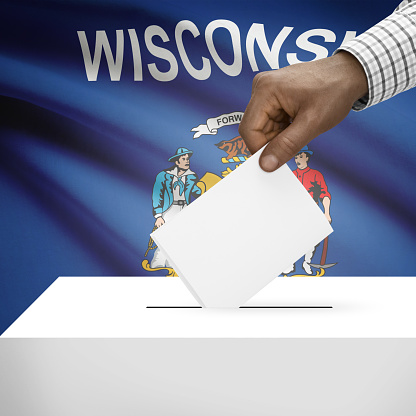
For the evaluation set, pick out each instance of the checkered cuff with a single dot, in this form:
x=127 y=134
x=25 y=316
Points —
x=387 y=53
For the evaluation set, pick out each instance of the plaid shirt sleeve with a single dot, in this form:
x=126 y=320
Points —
x=387 y=53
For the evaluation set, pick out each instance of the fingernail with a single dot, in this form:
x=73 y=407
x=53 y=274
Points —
x=269 y=163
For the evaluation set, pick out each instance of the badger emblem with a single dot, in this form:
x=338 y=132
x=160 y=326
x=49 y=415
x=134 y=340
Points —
x=234 y=147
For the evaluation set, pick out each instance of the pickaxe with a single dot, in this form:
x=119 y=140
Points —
x=322 y=264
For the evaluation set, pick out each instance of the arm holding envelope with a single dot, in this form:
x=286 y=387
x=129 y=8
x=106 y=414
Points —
x=291 y=106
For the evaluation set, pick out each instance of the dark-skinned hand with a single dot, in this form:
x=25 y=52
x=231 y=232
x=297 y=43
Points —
x=291 y=106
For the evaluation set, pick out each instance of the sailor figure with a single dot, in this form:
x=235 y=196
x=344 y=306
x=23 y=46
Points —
x=172 y=192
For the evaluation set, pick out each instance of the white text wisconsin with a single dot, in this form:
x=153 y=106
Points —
x=167 y=71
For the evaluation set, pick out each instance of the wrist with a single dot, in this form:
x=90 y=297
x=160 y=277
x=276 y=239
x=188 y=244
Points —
x=352 y=73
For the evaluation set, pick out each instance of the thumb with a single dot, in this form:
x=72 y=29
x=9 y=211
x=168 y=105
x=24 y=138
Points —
x=287 y=144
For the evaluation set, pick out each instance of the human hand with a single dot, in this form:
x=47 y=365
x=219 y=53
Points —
x=159 y=222
x=328 y=217
x=291 y=106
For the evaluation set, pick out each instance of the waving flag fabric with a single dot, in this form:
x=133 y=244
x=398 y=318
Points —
x=97 y=97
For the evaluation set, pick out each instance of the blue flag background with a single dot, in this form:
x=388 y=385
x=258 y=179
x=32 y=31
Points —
x=79 y=157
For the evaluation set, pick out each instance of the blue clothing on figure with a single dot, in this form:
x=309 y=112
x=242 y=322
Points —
x=166 y=181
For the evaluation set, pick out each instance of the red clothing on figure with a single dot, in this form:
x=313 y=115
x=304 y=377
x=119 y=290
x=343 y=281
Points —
x=314 y=183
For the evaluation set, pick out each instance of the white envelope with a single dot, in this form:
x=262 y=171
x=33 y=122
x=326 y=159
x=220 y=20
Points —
x=242 y=233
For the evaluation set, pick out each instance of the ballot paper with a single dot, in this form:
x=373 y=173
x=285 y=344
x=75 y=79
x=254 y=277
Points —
x=242 y=233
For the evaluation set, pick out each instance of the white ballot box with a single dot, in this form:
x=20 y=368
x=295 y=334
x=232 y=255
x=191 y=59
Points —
x=143 y=346
x=162 y=307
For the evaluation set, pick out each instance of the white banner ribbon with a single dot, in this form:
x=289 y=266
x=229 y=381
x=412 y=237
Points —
x=215 y=123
